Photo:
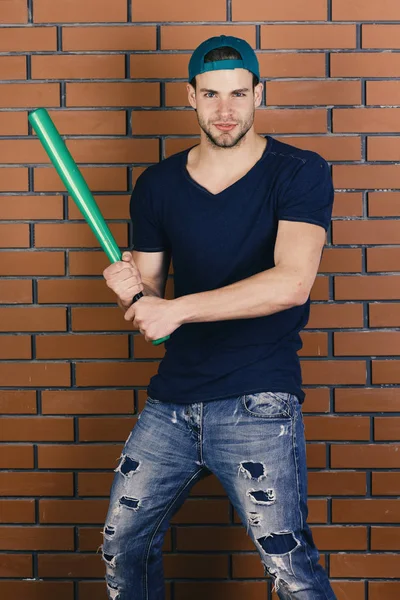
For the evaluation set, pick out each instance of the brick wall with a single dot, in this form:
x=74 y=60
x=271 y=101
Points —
x=73 y=375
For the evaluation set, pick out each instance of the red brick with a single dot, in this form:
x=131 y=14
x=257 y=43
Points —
x=333 y=372
x=21 y=95
x=82 y=346
x=384 y=315
x=335 y=315
x=348 y=204
x=30 y=207
x=164 y=123
x=386 y=484
x=196 y=566
x=385 y=372
x=359 y=400
x=87 y=263
x=337 y=428
x=14 y=291
x=379 y=120
x=71 y=291
x=16 y=347
x=188 y=37
x=379 y=456
x=95 y=484
x=296 y=64
x=36 y=484
x=383 y=148
x=13 y=123
x=215 y=590
x=93 y=122
x=33 y=318
x=71 y=11
x=88 y=402
x=28 y=39
x=383 y=259
x=341 y=260
x=37 y=590
x=159 y=66
x=70 y=565
x=371 y=287
x=381 y=566
x=141 y=349
x=316 y=401
x=16 y=457
x=316 y=456
x=102 y=179
x=114 y=151
x=365 y=64
x=125 y=37
x=34 y=374
x=111 y=207
x=340 y=538
x=36 y=538
x=78 y=456
x=13 y=402
x=16 y=565
x=336 y=483
x=13 y=11
x=385 y=538
x=13 y=179
x=12 y=67
x=320 y=289
x=314 y=344
x=14 y=236
x=381 y=36
x=72 y=511
x=32 y=263
x=384 y=204
x=89 y=66
x=383 y=92
x=389 y=590
x=291 y=10
x=24 y=429
x=105 y=429
x=113 y=94
x=179 y=10
x=367 y=343
x=291 y=121
x=112 y=374
x=365 y=511
x=282 y=93
x=366 y=232
x=74 y=235
x=367 y=10
x=17 y=511
x=99 y=319
x=274 y=37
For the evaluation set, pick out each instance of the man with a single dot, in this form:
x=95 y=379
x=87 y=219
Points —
x=244 y=218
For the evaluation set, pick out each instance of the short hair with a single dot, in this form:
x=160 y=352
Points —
x=224 y=53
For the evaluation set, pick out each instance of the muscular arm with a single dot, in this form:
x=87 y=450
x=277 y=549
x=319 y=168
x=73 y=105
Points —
x=298 y=251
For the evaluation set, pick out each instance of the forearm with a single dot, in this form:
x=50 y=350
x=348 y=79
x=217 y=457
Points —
x=262 y=294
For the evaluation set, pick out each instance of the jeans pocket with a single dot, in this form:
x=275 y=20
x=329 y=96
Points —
x=268 y=405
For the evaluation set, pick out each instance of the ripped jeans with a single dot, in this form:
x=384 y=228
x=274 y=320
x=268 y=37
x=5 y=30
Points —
x=255 y=446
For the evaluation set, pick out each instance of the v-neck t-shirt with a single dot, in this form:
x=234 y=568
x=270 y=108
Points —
x=216 y=240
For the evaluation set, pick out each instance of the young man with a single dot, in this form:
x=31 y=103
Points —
x=244 y=218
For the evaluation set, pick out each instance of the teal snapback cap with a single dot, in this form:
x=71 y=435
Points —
x=248 y=61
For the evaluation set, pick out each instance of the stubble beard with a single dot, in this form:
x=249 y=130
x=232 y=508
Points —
x=228 y=139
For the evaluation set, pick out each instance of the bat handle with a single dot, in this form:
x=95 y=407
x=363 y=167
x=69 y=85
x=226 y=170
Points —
x=135 y=298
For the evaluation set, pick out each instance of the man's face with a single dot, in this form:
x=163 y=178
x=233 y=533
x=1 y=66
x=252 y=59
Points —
x=225 y=103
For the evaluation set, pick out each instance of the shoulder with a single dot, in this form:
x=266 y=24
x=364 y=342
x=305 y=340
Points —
x=293 y=157
x=164 y=172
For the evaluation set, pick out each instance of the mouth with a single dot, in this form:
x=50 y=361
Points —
x=225 y=127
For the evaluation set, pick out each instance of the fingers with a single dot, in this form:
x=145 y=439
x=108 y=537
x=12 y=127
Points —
x=124 y=278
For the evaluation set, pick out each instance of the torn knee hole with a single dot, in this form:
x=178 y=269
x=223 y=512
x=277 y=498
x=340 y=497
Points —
x=110 y=559
x=109 y=530
x=262 y=496
x=132 y=503
x=128 y=466
x=278 y=543
x=253 y=470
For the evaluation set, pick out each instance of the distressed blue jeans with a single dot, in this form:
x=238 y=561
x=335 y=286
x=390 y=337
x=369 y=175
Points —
x=255 y=446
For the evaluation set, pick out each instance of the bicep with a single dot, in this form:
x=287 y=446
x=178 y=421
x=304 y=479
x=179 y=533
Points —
x=153 y=268
x=298 y=249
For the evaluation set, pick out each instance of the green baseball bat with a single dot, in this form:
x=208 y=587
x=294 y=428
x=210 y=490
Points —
x=73 y=180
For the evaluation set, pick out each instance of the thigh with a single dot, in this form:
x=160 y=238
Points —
x=257 y=451
x=156 y=469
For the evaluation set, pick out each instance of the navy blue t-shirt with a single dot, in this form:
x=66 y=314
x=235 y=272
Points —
x=219 y=239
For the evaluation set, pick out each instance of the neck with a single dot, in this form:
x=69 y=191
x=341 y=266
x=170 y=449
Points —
x=248 y=150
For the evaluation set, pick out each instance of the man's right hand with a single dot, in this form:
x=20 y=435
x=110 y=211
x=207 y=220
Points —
x=124 y=278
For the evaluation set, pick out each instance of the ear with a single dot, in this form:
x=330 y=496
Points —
x=191 y=95
x=258 y=94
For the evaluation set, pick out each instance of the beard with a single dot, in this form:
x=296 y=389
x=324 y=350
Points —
x=228 y=139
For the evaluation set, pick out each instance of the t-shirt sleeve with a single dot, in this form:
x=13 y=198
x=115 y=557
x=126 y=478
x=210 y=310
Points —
x=308 y=196
x=148 y=233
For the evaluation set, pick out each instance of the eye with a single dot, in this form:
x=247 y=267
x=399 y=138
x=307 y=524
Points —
x=239 y=94
x=209 y=95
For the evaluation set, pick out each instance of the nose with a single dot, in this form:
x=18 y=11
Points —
x=225 y=108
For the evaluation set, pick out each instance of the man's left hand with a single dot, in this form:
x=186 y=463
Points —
x=154 y=317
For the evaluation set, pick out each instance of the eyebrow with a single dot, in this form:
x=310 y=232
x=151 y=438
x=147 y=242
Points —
x=233 y=91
